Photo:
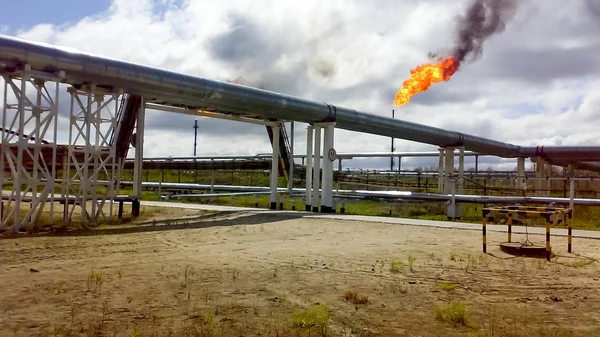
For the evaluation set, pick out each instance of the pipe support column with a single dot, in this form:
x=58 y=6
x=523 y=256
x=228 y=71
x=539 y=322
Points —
x=316 y=170
x=328 y=159
x=274 y=168
x=309 y=162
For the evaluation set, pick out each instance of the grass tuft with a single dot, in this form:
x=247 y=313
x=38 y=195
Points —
x=356 y=298
x=455 y=313
x=447 y=286
x=317 y=314
x=397 y=266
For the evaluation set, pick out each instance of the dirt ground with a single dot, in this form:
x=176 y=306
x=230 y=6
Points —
x=249 y=274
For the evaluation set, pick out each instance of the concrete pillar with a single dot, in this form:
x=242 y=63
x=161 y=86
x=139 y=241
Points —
x=328 y=159
x=274 y=168
x=309 y=173
x=316 y=195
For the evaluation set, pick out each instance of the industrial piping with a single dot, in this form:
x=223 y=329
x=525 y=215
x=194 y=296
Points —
x=175 y=89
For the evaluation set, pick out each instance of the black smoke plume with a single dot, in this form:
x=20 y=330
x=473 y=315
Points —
x=482 y=19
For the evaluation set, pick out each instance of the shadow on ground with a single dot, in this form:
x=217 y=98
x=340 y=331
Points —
x=220 y=219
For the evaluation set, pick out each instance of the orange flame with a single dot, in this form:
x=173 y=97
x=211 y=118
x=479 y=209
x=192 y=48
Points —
x=423 y=76
x=207 y=112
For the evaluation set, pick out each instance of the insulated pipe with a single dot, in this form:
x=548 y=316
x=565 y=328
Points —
x=316 y=170
x=274 y=168
x=309 y=162
x=175 y=89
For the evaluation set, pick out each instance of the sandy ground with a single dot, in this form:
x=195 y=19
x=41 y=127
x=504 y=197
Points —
x=247 y=274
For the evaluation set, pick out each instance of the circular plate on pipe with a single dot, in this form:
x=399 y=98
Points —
x=519 y=249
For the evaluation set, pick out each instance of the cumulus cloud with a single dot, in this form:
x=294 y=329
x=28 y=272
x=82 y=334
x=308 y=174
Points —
x=535 y=83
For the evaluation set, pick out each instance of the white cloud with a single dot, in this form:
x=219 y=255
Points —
x=524 y=90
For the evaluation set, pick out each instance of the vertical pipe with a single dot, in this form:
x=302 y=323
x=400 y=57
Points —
x=327 y=200
x=548 y=237
x=2 y=148
x=195 y=135
x=570 y=229
x=139 y=156
x=509 y=221
x=483 y=238
x=291 y=154
x=309 y=161
x=316 y=170
x=274 y=167
x=441 y=171
x=139 y=151
x=476 y=164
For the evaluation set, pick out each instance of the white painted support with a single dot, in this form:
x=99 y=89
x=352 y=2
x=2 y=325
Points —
x=139 y=151
x=571 y=171
x=520 y=172
x=29 y=107
x=309 y=161
x=449 y=170
x=327 y=186
x=93 y=118
x=449 y=182
x=316 y=194
x=461 y=181
x=539 y=175
x=274 y=167
x=441 y=171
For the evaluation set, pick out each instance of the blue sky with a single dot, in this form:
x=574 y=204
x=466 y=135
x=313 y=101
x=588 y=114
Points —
x=23 y=14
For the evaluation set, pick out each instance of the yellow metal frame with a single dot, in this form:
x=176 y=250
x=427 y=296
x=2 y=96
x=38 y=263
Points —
x=545 y=212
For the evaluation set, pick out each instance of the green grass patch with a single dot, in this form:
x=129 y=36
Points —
x=315 y=315
x=455 y=313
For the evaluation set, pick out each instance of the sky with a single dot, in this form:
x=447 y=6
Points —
x=535 y=83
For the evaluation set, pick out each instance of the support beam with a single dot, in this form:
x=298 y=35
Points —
x=28 y=151
x=291 y=154
x=328 y=159
x=274 y=168
x=441 y=171
x=309 y=173
x=139 y=151
x=461 y=181
x=520 y=173
x=316 y=194
x=91 y=154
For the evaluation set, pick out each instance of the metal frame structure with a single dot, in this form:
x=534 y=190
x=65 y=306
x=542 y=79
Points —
x=30 y=107
x=550 y=214
x=90 y=154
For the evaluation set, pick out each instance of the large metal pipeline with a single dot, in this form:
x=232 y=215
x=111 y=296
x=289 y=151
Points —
x=176 y=89
x=171 y=88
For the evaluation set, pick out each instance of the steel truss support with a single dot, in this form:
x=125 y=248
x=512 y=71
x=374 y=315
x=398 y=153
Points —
x=91 y=171
x=28 y=151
